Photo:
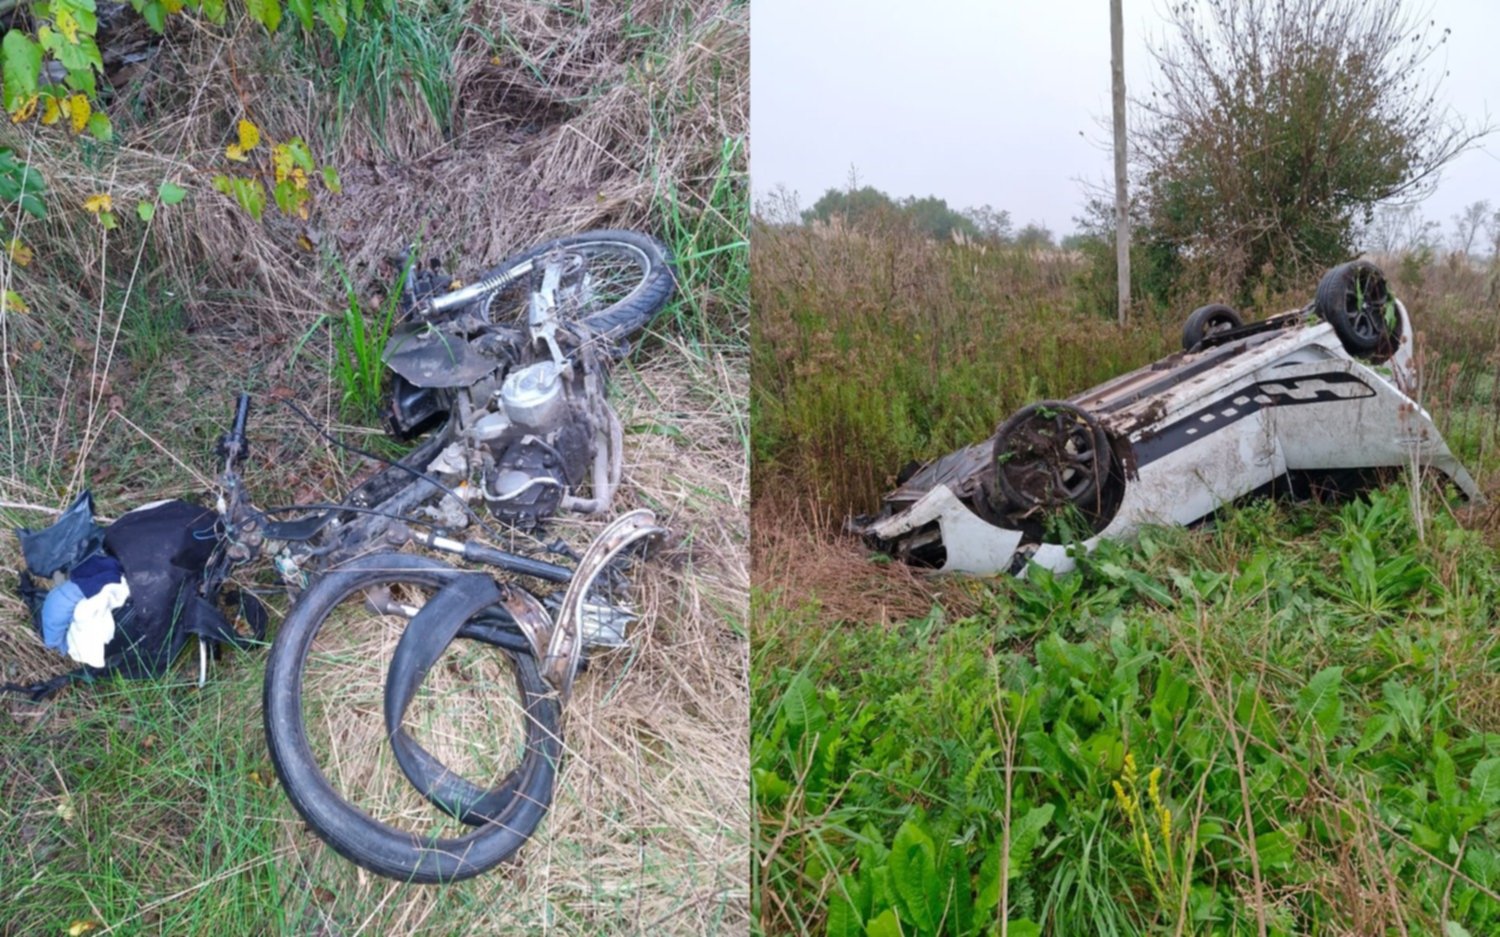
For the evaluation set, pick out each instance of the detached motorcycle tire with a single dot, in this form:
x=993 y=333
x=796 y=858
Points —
x=506 y=816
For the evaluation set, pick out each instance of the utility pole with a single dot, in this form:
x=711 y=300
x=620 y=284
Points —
x=1122 y=199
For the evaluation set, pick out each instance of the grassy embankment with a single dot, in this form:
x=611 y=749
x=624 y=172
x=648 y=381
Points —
x=479 y=127
x=1297 y=703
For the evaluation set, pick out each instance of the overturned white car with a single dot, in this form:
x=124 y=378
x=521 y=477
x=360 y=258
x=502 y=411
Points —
x=1312 y=399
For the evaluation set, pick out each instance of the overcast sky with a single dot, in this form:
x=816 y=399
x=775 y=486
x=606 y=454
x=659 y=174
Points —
x=1000 y=102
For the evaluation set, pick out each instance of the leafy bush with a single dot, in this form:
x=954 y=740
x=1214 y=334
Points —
x=1210 y=733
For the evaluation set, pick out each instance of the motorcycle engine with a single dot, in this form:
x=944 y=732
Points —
x=536 y=443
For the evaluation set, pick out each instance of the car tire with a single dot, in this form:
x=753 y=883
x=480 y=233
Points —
x=1049 y=454
x=1206 y=321
x=1355 y=300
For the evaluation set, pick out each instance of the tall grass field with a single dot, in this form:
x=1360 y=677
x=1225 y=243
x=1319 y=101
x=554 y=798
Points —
x=1283 y=722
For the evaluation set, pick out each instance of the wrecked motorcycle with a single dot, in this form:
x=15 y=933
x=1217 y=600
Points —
x=507 y=378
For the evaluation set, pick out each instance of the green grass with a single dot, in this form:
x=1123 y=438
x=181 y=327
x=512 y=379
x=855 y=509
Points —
x=878 y=347
x=1329 y=663
x=404 y=55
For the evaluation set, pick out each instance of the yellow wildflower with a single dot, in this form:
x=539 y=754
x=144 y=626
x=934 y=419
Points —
x=99 y=203
x=51 y=113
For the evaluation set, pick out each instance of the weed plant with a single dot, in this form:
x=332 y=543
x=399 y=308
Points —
x=1284 y=725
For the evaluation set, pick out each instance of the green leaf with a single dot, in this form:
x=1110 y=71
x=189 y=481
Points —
x=1023 y=927
x=301 y=156
x=303 y=10
x=913 y=867
x=1024 y=834
x=1445 y=777
x=21 y=68
x=100 y=127
x=154 y=13
x=170 y=194
x=1276 y=849
x=331 y=180
x=249 y=193
x=1320 y=700
x=800 y=704
x=265 y=12
x=1484 y=782
x=843 y=920
x=214 y=11
x=336 y=14
x=884 y=925
x=1377 y=727
x=988 y=895
x=145 y=210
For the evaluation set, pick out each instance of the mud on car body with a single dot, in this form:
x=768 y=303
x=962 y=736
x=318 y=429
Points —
x=1316 y=398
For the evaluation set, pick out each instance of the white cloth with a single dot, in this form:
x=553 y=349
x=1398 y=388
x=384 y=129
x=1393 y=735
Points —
x=94 y=624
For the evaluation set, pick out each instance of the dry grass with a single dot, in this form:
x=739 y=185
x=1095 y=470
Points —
x=556 y=125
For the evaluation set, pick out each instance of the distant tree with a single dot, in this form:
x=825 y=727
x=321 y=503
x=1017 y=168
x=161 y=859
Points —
x=932 y=216
x=853 y=205
x=1399 y=229
x=990 y=223
x=1076 y=241
x=1467 y=225
x=1035 y=236
x=1274 y=128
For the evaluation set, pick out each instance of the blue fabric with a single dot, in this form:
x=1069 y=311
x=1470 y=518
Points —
x=57 y=614
x=95 y=573
x=70 y=539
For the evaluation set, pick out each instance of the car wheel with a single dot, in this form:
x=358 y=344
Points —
x=1354 y=299
x=1207 y=321
x=1048 y=455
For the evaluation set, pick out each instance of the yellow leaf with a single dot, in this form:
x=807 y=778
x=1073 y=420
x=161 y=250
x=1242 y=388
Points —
x=494 y=60
x=50 y=111
x=24 y=110
x=14 y=302
x=281 y=161
x=79 y=928
x=249 y=136
x=19 y=252
x=235 y=152
x=67 y=24
x=98 y=203
x=305 y=243
x=78 y=112
x=299 y=179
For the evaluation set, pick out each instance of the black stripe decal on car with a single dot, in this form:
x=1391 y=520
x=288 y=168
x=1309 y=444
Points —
x=1281 y=392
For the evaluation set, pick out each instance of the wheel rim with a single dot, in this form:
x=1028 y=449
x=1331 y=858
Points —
x=595 y=277
x=1364 y=307
x=1052 y=457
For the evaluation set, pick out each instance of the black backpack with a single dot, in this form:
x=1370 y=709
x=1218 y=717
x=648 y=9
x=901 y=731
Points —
x=169 y=552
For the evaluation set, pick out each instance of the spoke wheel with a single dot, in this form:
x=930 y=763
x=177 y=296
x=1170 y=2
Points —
x=612 y=282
